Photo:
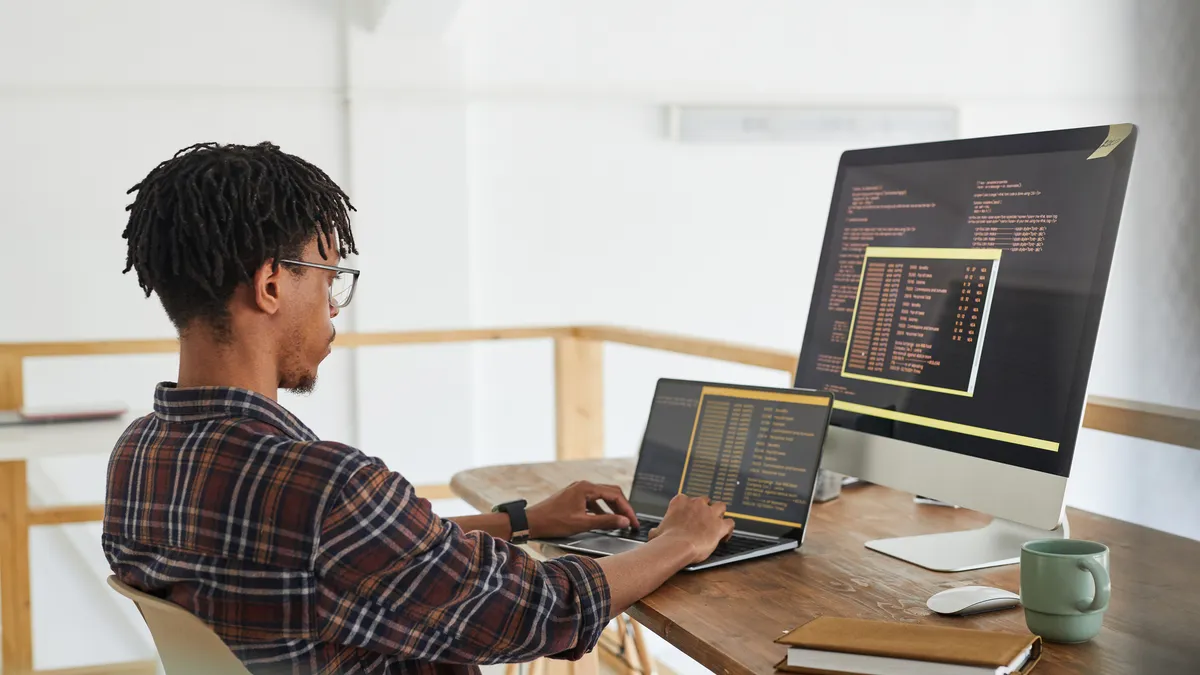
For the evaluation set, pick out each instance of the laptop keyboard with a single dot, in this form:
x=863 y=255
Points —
x=735 y=546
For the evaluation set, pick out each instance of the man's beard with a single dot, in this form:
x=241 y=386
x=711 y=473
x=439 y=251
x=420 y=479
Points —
x=305 y=384
x=301 y=382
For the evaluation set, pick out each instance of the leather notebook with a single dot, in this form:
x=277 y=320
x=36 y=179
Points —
x=839 y=646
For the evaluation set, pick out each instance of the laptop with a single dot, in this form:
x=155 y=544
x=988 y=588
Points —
x=755 y=448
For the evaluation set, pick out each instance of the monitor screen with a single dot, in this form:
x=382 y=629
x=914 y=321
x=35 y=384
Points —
x=959 y=289
x=756 y=449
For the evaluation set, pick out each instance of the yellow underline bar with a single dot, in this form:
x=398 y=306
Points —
x=779 y=396
x=902 y=383
x=994 y=435
x=762 y=520
x=936 y=253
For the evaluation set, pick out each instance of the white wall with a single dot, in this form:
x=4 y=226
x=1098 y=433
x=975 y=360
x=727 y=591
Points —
x=506 y=170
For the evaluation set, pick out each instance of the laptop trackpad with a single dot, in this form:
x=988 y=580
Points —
x=606 y=545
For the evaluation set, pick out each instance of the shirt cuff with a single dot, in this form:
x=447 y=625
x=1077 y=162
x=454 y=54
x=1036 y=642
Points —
x=593 y=597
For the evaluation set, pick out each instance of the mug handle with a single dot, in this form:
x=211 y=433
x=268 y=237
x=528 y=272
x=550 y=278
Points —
x=1103 y=585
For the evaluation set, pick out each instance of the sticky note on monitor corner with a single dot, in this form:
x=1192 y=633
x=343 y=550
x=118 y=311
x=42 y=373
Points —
x=1116 y=134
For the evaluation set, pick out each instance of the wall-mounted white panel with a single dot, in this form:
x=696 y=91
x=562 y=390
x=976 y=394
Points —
x=864 y=126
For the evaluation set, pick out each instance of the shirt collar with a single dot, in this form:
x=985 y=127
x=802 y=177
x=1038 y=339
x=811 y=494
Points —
x=192 y=404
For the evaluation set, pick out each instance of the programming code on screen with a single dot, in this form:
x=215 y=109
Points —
x=754 y=450
x=921 y=316
x=952 y=298
x=996 y=226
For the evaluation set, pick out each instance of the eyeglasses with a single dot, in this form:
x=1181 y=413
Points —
x=341 y=290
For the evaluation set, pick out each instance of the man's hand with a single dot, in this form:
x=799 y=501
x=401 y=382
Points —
x=697 y=521
x=577 y=508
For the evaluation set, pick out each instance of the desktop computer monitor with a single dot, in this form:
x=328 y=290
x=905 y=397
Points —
x=954 y=316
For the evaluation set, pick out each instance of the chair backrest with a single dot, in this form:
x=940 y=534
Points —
x=186 y=645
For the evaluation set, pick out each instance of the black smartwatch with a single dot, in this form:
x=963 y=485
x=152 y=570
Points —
x=516 y=518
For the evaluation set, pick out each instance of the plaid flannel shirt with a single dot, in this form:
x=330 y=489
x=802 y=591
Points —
x=308 y=556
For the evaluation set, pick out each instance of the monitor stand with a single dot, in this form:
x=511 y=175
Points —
x=997 y=543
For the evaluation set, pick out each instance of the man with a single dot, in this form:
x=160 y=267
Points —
x=307 y=555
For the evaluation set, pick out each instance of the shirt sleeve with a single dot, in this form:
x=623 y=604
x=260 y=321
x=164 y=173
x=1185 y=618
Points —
x=396 y=579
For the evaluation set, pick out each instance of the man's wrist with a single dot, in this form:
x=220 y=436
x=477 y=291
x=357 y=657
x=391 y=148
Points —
x=502 y=526
x=678 y=545
x=533 y=519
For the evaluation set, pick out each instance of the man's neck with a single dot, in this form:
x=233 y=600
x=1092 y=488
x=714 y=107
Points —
x=205 y=363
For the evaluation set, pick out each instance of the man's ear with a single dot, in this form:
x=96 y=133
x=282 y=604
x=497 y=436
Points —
x=267 y=286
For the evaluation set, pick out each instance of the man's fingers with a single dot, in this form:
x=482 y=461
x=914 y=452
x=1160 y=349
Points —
x=720 y=507
x=608 y=521
x=728 y=524
x=615 y=498
x=626 y=512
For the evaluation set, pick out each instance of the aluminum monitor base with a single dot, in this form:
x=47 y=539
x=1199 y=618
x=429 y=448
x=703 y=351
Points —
x=997 y=543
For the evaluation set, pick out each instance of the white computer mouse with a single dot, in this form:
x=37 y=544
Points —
x=972 y=600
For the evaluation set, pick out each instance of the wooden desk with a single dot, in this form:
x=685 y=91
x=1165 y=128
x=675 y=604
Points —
x=728 y=617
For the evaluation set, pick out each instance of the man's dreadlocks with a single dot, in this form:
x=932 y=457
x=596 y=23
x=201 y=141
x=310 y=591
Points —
x=209 y=217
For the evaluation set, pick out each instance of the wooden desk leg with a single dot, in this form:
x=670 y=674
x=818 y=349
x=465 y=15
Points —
x=16 y=623
x=639 y=644
x=623 y=623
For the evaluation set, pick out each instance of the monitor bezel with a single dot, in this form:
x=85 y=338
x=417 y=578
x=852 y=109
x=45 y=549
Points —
x=1087 y=138
x=743 y=525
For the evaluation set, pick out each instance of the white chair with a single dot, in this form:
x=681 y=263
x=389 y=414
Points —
x=186 y=645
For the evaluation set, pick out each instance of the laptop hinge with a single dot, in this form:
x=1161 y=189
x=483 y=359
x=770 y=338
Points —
x=755 y=535
x=740 y=533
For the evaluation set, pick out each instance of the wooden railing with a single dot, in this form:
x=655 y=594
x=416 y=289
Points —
x=579 y=417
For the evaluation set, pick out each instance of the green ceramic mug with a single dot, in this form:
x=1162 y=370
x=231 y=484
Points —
x=1065 y=588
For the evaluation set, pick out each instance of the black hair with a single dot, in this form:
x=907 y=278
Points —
x=205 y=220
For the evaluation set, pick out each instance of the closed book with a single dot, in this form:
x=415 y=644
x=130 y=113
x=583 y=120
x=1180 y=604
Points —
x=838 y=646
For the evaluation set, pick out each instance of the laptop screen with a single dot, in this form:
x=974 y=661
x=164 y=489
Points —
x=755 y=448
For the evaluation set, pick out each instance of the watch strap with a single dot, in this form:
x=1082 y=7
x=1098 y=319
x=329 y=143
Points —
x=517 y=519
